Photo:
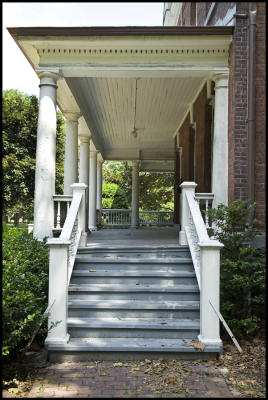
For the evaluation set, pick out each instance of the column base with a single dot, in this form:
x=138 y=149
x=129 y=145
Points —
x=57 y=340
x=210 y=342
x=92 y=228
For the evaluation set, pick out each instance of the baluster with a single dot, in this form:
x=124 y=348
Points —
x=58 y=216
x=206 y=217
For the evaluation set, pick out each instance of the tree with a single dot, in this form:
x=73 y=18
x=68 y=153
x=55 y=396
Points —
x=19 y=122
x=155 y=188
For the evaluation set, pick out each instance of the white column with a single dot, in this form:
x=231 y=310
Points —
x=135 y=195
x=92 y=226
x=99 y=185
x=186 y=187
x=84 y=167
x=84 y=159
x=71 y=152
x=220 y=141
x=45 y=169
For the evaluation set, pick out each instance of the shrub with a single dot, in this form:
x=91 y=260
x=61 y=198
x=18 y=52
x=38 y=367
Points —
x=113 y=196
x=25 y=288
x=242 y=267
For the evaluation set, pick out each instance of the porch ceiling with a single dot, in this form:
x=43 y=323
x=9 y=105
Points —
x=113 y=107
x=128 y=77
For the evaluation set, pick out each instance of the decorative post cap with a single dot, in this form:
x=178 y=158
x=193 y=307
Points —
x=188 y=185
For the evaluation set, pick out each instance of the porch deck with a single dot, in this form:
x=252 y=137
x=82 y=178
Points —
x=131 y=237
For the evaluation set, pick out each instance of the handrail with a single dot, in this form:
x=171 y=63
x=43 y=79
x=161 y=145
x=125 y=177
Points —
x=205 y=254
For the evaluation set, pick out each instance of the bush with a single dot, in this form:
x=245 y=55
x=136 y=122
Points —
x=242 y=267
x=25 y=288
x=113 y=196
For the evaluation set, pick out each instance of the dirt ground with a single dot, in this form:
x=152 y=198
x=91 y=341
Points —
x=244 y=374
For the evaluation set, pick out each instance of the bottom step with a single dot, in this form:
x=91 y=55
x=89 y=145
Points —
x=82 y=349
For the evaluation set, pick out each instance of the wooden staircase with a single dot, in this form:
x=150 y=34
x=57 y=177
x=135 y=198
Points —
x=132 y=303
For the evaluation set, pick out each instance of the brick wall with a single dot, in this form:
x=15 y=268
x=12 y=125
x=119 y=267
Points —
x=260 y=159
x=239 y=106
x=220 y=11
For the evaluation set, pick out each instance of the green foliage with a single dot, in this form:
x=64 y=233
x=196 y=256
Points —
x=243 y=267
x=19 y=134
x=113 y=196
x=155 y=189
x=24 y=288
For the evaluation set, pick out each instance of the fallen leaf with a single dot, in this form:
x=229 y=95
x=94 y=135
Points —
x=14 y=390
x=197 y=345
x=148 y=361
x=119 y=364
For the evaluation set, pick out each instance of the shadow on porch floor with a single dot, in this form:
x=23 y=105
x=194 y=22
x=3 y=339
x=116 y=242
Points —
x=153 y=236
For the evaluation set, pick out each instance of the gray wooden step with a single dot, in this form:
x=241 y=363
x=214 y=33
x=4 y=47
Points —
x=133 y=276
x=133 y=327
x=133 y=292
x=82 y=349
x=133 y=309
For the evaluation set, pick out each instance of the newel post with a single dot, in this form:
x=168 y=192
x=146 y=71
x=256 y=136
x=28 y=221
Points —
x=186 y=187
x=210 y=292
x=82 y=223
x=58 y=291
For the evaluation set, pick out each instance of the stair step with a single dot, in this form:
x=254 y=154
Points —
x=134 y=323
x=144 y=273
x=137 y=288
x=134 y=260
x=133 y=327
x=134 y=304
x=132 y=344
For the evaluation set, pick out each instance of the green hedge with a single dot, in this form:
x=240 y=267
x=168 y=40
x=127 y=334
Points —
x=242 y=268
x=25 y=288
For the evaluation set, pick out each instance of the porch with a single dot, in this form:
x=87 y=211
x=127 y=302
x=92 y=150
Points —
x=127 y=238
x=126 y=94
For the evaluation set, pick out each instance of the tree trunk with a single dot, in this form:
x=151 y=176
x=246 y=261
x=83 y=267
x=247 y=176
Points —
x=16 y=220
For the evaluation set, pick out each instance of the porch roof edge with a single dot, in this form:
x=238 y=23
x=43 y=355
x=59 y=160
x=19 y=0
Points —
x=120 y=31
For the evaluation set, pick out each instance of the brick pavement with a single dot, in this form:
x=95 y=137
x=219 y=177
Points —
x=108 y=380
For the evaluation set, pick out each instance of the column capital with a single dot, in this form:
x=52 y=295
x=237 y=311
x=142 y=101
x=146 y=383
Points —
x=93 y=152
x=100 y=161
x=221 y=80
x=48 y=77
x=84 y=138
x=72 y=116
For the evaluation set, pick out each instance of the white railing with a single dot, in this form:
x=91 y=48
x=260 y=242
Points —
x=116 y=217
x=205 y=202
x=157 y=218
x=122 y=217
x=62 y=253
x=61 y=207
x=205 y=253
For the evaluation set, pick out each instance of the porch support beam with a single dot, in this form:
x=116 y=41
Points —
x=84 y=167
x=220 y=141
x=71 y=152
x=135 y=195
x=92 y=223
x=99 y=185
x=45 y=170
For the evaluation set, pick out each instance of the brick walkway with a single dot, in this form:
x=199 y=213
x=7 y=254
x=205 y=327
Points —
x=114 y=379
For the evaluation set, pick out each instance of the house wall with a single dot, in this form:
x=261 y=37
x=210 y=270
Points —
x=260 y=160
x=236 y=14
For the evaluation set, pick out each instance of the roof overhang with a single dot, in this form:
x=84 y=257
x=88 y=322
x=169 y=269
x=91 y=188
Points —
x=122 y=78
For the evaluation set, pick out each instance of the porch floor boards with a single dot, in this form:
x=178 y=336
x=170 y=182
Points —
x=158 y=237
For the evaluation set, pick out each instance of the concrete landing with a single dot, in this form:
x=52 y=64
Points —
x=131 y=237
